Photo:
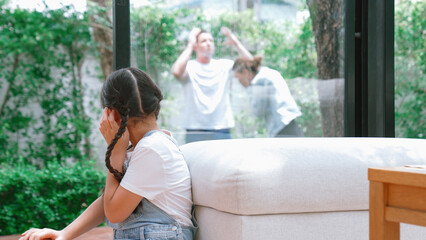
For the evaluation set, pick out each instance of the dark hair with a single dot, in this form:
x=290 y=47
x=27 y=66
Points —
x=201 y=32
x=133 y=94
x=252 y=65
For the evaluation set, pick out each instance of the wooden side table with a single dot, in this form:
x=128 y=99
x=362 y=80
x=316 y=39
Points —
x=397 y=194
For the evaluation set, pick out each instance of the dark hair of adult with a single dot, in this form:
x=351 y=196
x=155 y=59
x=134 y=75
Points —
x=201 y=32
x=251 y=65
x=133 y=94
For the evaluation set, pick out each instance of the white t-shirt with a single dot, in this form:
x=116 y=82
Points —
x=207 y=104
x=158 y=172
x=271 y=99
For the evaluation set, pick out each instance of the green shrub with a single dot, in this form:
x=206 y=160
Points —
x=42 y=115
x=49 y=197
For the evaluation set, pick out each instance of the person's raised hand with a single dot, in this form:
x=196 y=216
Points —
x=42 y=234
x=192 y=38
x=232 y=39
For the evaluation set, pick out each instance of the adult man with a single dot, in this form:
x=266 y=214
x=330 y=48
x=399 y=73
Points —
x=208 y=113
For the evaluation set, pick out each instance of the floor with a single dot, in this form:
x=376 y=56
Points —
x=100 y=233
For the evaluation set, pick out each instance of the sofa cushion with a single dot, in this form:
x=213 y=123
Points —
x=349 y=225
x=292 y=175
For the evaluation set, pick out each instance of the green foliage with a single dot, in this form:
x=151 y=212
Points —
x=42 y=112
x=242 y=24
x=50 y=197
x=248 y=125
x=305 y=93
x=43 y=122
x=154 y=39
x=410 y=68
x=291 y=49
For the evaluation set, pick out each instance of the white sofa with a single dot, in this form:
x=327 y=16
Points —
x=292 y=188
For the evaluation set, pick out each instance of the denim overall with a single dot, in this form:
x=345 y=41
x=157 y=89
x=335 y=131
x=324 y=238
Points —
x=149 y=222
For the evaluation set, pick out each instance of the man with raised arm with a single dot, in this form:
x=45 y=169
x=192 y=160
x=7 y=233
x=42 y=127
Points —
x=208 y=114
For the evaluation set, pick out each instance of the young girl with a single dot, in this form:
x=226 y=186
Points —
x=147 y=193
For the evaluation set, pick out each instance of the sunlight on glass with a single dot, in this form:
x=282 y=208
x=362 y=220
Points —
x=40 y=5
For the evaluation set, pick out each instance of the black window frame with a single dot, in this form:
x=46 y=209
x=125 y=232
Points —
x=369 y=68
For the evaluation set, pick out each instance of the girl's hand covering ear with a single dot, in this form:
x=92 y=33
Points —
x=109 y=127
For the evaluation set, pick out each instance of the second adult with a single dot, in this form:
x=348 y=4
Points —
x=270 y=97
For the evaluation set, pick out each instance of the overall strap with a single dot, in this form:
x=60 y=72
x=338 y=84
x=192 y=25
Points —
x=169 y=137
x=150 y=133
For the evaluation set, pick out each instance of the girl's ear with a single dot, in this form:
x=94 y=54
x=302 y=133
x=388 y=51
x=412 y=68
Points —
x=117 y=116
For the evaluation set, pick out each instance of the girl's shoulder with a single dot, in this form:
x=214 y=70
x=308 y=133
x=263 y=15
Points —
x=156 y=140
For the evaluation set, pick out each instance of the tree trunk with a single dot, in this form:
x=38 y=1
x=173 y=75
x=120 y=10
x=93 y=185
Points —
x=327 y=25
x=102 y=33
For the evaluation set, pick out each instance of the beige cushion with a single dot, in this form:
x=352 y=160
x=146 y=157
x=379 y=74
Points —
x=292 y=175
x=350 y=225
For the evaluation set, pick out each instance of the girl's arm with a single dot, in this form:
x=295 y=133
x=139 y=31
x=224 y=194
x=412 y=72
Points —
x=90 y=218
x=118 y=203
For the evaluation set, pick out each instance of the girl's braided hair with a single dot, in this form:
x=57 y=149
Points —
x=133 y=94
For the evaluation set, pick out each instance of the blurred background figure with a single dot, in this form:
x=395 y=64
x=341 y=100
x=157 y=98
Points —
x=270 y=97
x=208 y=114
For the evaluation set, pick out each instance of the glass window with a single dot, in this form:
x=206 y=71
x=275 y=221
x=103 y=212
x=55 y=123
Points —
x=410 y=67
x=298 y=86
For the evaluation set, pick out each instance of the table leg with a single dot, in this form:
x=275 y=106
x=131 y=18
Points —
x=380 y=229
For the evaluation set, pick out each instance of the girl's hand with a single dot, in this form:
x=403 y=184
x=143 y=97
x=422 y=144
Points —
x=109 y=125
x=40 y=234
